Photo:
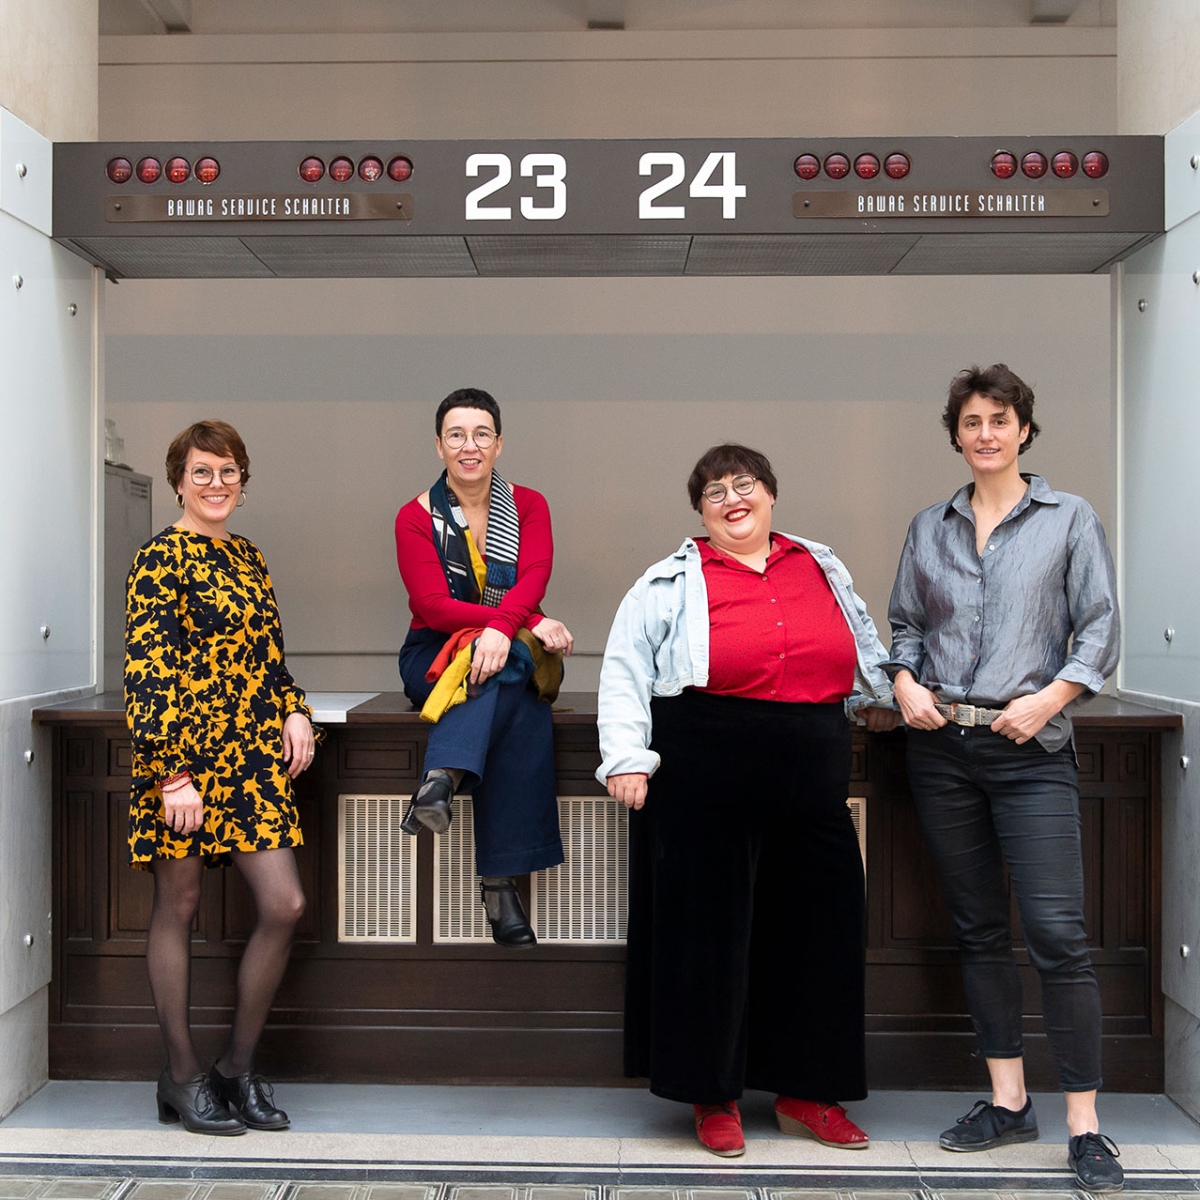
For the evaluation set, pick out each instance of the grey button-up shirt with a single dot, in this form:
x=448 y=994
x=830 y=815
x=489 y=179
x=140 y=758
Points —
x=1039 y=604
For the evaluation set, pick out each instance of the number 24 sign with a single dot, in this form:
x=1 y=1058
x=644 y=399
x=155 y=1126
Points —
x=715 y=180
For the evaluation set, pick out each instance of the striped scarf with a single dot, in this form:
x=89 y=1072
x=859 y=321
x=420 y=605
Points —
x=451 y=537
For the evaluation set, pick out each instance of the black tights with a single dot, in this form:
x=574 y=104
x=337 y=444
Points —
x=279 y=903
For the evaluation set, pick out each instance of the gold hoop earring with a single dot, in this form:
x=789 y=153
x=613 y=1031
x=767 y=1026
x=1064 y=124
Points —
x=179 y=499
x=241 y=498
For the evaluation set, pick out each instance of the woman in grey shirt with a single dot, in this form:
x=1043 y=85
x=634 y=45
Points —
x=1003 y=611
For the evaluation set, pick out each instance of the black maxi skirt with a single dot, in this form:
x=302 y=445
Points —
x=746 y=960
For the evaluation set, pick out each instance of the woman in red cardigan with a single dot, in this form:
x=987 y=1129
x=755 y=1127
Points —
x=475 y=553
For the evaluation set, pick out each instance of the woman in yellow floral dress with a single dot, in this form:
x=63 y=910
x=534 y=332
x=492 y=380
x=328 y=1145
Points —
x=219 y=730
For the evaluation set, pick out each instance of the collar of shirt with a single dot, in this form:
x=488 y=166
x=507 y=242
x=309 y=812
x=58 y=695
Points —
x=1038 y=491
x=779 y=547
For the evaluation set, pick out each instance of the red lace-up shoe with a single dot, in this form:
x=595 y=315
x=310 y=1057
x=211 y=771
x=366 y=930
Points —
x=719 y=1128
x=827 y=1123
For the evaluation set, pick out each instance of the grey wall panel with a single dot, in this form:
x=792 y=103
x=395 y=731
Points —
x=844 y=393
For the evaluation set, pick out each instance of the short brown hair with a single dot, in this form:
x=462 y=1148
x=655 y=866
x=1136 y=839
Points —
x=214 y=437
x=997 y=383
x=730 y=458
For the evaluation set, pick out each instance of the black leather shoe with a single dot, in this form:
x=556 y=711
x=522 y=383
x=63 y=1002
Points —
x=431 y=805
x=505 y=914
x=195 y=1104
x=251 y=1097
x=988 y=1125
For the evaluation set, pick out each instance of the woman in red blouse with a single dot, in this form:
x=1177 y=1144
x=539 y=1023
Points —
x=475 y=554
x=728 y=677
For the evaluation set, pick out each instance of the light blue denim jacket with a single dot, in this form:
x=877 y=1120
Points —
x=658 y=645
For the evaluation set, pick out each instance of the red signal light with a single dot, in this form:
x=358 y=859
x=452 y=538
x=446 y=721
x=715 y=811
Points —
x=1004 y=165
x=148 y=170
x=400 y=168
x=178 y=170
x=896 y=166
x=207 y=169
x=1065 y=164
x=1034 y=164
x=370 y=169
x=312 y=170
x=119 y=170
x=807 y=166
x=341 y=170
x=866 y=166
x=837 y=166
x=1095 y=164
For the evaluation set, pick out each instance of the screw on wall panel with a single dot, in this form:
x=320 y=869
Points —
x=28 y=940
x=22 y=170
x=1195 y=162
x=29 y=756
x=18 y=282
x=72 y=309
x=1184 y=762
x=1168 y=634
x=1141 y=306
x=1196 y=276
x=45 y=632
x=1185 y=951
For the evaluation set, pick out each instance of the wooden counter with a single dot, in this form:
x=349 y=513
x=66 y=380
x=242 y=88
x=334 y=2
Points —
x=438 y=1006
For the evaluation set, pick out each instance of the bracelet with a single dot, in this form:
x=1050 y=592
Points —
x=181 y=778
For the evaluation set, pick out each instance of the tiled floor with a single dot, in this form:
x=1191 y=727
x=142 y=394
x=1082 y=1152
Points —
x=100 y=1141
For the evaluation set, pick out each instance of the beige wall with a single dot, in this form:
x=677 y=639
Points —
x=611 y=388
x=1158 y=49
x=48 y=66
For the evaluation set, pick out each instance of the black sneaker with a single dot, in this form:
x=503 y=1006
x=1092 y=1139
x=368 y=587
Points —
x=1093 y=1158
x=988 y=1125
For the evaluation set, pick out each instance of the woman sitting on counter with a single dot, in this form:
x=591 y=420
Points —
x=219 y=732
x=481 y=659
x=727 y=678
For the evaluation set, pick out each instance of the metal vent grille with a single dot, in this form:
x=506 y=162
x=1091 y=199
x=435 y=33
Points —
x=1016 y=253
x=314 y=256
x=458 y=915
x=567 y=255
x=858 y=814
x=586 y=899
x=799 y=254
x=377 y=871
x=175 y=257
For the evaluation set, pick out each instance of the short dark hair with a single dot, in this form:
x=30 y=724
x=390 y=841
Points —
x=467 y=398
x=730 y=458
x=997 y=383
x=214 y=437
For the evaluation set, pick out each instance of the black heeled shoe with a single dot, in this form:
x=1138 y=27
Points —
x=505 y=914
x=195 y=1104
x=431 y=805
x=251 y=1097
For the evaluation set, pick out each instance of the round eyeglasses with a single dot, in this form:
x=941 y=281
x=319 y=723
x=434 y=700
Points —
x=202 y=476
x=456 y=439
x=743 y=485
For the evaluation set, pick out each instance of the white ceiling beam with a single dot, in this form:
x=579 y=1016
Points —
x=605 y=14
x=175 y=16
x=1052 y=12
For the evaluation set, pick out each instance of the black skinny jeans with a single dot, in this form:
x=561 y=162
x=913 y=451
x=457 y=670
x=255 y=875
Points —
x=982 y=799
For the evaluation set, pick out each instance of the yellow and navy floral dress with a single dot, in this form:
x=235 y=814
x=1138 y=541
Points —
x=207 y=691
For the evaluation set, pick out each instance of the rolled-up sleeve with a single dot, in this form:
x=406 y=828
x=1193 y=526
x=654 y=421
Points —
x=1091 y=592
x=626 y=680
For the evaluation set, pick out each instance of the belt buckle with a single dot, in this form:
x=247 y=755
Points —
x=962 y=714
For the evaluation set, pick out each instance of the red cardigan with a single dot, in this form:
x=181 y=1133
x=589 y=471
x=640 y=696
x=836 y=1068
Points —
x=429 y=595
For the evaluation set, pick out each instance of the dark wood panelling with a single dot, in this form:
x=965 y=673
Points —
x=426 y=1013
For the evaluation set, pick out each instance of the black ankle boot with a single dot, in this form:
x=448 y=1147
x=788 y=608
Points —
x=251 y=1097
x=505 y=914
x=431 y=805
x=194 y=1103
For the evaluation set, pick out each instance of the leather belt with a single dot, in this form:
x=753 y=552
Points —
x=968 y=714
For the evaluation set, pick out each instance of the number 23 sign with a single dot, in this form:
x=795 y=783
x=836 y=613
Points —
x=542 y=189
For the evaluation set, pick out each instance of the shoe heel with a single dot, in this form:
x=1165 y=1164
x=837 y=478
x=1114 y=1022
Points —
x=791 y=1125
x=410 y=824
x=166 y=1114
